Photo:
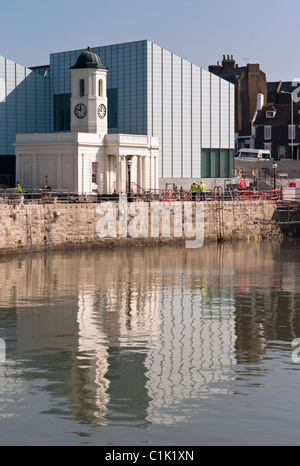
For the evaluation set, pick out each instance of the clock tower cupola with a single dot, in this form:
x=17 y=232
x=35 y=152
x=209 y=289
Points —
x=89 y=97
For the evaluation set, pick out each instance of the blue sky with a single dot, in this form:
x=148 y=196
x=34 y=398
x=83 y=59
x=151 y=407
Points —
x=257 y=31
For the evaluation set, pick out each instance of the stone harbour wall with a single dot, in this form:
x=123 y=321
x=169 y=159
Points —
x=33 y=227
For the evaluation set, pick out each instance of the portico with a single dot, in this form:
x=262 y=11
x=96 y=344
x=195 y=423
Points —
x=131 y=159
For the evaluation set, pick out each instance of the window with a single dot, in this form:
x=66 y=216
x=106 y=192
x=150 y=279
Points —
x=94 y=172
x=267 y=132
x=62 y=112
x=270 y=114
x=281 y=152
x=81 y=87
x=216 y=163
x=224 y=163
x=291 y=132
x=112 y=103
x=205 y=163
x=268 y=146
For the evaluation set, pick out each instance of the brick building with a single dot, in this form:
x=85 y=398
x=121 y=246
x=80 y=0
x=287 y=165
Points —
x=249 y=81
x=277 y=124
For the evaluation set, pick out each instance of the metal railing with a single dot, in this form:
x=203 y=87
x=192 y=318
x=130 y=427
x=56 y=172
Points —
x=263 y=177
x=12 y=196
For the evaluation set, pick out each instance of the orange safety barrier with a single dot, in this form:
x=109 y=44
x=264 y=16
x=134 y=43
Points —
x=274 y=195
x=169 y=196
x=163 y=195
x=166 y=195
x=173 y=196
x=247 y=194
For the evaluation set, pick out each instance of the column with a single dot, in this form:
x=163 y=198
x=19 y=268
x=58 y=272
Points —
x=81 y=184
x=155 y=162
x=106 y=176
x=118 y=174
x=123 y=174
x=140 y=173
x=144 y=174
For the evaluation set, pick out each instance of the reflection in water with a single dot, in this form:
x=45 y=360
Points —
x=140 y=336
x=197 y=335
x=117 y=322
x=91 y=362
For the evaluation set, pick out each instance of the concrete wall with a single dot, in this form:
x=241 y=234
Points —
x=53 y=226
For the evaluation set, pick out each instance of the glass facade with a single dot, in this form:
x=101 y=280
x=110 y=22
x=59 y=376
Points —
x=112 y=100
x=126 y=83
x=150 y=91
x=192 y=113
x=24 y=103
x=62 y=108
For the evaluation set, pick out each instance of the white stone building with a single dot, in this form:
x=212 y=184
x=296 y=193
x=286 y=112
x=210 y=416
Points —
x=87 y=159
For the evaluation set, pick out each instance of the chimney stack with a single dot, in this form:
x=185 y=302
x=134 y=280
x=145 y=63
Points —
x=228 y=63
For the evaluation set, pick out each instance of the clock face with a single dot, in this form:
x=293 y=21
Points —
x=80 y=110
x=101 y=111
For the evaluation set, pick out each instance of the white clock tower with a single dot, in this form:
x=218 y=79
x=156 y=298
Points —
x=88 y=94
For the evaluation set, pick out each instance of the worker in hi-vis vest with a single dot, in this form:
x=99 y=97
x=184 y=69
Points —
x=21 y=191
x=194 y=189
x=203 y=191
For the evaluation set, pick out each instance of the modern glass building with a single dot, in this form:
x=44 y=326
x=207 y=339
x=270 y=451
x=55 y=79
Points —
x=24 y=108
x=151 y=91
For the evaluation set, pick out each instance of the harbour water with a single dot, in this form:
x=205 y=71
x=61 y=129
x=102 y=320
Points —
x=151 y=346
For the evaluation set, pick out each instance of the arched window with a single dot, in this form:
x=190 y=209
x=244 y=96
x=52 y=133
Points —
x=81 y=87
x=100 y=90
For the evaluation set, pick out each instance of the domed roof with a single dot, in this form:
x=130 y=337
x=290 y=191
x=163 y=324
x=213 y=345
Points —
x=88 y=59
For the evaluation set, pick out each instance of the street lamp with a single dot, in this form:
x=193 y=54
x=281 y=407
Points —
x=292 y=123
x=128 y=163
x=274 y=166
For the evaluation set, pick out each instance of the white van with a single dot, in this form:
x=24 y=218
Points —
x=254 y=154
